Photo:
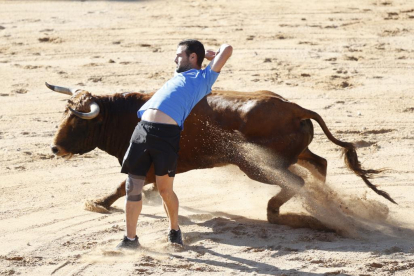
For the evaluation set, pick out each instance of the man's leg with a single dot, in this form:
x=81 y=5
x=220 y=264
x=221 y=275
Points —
x=133 y=203
x=132 y=212
x=170 y=200
x=133 y=207
x=165 y=209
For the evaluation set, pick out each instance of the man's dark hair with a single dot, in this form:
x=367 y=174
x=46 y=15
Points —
x=194 y=46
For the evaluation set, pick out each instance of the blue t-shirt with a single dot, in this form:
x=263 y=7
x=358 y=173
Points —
x=179 y=95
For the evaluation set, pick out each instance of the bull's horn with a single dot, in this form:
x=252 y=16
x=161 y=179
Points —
x=87 y=116
x=64 y=90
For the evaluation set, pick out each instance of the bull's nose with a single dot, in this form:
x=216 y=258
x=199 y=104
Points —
x=55 y=149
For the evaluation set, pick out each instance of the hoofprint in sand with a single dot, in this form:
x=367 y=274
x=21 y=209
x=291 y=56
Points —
x=349 y=61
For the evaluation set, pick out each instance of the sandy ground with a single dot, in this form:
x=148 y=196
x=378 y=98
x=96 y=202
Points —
x=350 y=61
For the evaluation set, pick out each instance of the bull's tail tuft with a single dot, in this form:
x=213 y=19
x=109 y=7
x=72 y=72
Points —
x=352 y=162
x=351 y=157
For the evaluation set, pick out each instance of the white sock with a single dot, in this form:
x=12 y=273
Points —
x=131 y=239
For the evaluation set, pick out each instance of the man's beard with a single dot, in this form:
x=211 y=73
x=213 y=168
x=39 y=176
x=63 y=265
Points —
x=183 y=68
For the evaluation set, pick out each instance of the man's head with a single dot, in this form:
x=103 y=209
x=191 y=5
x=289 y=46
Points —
x=190 y=55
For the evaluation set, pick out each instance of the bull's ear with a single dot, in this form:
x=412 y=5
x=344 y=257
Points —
x=63 y=90
x=94 y=107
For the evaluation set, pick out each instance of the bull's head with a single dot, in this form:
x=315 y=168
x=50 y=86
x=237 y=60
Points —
x=77 y=132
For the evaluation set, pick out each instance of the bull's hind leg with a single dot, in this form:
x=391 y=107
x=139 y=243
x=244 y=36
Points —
x=314 y=163
x=288 y=181
x=274 y=204
x=290 y=186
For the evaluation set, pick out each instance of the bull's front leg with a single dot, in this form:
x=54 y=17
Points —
x=103 y=204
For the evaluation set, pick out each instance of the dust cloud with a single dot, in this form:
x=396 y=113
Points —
x=346 y=214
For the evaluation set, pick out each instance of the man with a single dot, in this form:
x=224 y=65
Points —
x=156 y=137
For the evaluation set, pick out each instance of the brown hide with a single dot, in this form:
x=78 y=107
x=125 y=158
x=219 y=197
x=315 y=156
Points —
x=224 y=119
x=217 y=123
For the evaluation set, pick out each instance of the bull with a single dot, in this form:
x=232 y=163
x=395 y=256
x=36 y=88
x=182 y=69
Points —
x=212 y=135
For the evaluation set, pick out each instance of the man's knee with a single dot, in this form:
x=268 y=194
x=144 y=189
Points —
x=133 y=187
x=165 y=193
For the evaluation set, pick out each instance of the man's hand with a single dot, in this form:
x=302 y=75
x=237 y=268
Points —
x=219 y=59
x=210 y=54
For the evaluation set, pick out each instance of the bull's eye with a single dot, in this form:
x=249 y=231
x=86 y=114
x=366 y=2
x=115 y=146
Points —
x=76 y=124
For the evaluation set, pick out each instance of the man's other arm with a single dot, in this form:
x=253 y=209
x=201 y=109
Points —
x=220 y=58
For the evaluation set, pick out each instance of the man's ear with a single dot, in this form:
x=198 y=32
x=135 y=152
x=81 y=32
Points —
x=193 y=56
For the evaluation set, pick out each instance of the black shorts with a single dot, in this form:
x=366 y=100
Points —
x=152 y=143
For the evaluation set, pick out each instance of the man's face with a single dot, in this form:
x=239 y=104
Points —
x=182 y=60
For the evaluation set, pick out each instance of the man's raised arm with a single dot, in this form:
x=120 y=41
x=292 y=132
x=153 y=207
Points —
x=219 y=59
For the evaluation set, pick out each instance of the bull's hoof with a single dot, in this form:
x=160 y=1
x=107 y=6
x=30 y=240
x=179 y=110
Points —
x=273 y=216
x=93 y=206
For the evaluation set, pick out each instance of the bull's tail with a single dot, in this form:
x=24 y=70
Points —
x=351 y=157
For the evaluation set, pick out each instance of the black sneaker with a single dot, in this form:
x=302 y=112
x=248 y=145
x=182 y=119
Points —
x=128 y=244
x=175 y=236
